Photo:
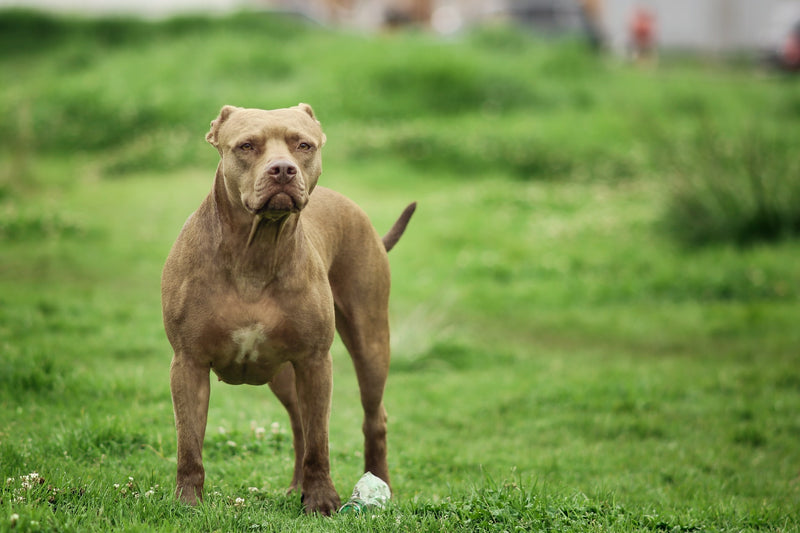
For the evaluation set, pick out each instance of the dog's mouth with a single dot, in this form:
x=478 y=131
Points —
x=279 y=202
x=277 y=205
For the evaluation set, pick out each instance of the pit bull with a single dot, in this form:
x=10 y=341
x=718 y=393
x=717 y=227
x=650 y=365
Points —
x=255 y=284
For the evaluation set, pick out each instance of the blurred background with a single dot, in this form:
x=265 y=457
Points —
x=707 y=25
x=701 y=26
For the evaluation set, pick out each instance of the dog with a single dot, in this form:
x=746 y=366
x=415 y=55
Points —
x=256 y=282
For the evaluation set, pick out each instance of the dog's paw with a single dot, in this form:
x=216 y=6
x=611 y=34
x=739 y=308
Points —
x=321 y=499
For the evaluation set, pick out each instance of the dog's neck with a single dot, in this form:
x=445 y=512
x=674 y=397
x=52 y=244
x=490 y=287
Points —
x=255 y=247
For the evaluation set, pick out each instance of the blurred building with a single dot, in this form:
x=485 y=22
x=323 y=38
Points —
x=698 y=25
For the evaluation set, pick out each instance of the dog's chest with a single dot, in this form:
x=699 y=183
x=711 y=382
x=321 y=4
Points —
x=250 y=346
x=254 y=339
x=248 y=342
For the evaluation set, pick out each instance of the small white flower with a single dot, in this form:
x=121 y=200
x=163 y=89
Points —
x=275 y=428
x=116 y=485
x=221 y=430
x=130 y=478
x=14 y=519
x=231 y=444
x=252 y=489
x=149 y=493
x=260 y=432
x=239 y=502
x=30 y=480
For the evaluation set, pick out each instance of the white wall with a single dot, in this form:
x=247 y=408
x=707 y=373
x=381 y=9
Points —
x=149 y=8
x=711 y=25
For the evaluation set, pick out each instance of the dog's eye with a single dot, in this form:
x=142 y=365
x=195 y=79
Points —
x=246 y=147
x=304 y=146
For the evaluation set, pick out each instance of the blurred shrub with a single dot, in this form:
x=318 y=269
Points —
x=137 y=96
x=434 y=82
x=28 y=372
x=742 y=189
x=24 y=32
x=130 y=91
x=412 y=76
x=160 y=150
x=512 y=145
x=16 y=225
x=472 y=151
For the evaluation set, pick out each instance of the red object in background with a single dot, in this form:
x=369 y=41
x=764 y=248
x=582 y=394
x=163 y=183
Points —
x=791 y=51
x=642 y=30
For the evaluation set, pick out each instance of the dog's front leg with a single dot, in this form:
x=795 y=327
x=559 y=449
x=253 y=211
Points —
x=190 y=387
x=283 y=385
x=314 y=385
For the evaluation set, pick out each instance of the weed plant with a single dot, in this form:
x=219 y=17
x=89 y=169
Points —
x=741 y=189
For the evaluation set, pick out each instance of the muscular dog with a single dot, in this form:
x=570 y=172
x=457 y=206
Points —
x=255 y=284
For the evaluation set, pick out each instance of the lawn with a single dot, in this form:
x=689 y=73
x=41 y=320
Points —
x=594 y=311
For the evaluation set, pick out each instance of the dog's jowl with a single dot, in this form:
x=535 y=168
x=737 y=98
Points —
x=255 y=284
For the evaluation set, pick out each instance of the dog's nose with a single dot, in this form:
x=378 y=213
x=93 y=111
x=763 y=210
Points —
x=282 y=171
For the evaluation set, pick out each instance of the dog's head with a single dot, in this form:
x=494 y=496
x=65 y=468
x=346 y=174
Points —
x=271 y=160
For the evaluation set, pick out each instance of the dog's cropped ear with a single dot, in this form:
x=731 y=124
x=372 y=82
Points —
x=212 y=135
x=307 y=109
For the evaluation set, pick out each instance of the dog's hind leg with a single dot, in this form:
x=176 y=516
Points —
x=365 y=333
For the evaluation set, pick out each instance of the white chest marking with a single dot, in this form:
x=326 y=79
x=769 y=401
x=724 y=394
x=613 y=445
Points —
x=248 y=340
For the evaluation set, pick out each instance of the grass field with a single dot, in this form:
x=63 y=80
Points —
x=595 y=309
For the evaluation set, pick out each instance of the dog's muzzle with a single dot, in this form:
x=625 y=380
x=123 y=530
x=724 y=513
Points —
x=280 y=189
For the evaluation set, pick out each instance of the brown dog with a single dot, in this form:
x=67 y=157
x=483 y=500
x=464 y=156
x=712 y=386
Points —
x=255 y=283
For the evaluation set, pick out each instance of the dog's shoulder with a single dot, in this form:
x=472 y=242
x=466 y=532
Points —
x=325 y=200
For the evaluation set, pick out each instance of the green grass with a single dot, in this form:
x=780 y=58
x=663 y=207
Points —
x=740 y=188
x=573 y=350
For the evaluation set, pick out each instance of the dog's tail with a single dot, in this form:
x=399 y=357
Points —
x=391 y=238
